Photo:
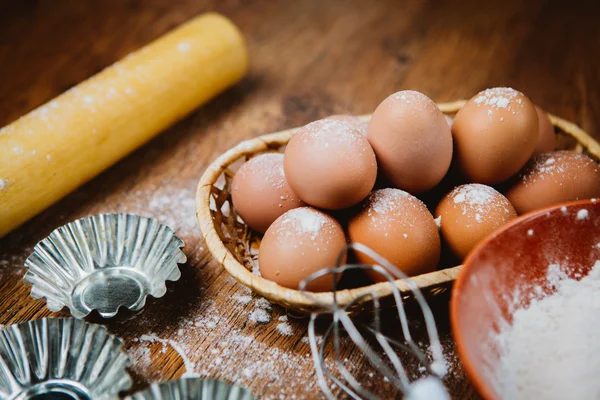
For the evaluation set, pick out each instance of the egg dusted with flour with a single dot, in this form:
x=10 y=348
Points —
x=469 y=213
x=555 y=177
x=351 y=120
x=399 y=227
x=412 y=141
x=260 y=193
x=495 y=134
x=300 y=242
x=330 y=165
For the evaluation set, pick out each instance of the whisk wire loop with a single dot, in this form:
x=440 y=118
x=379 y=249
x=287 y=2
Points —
x=341 y=322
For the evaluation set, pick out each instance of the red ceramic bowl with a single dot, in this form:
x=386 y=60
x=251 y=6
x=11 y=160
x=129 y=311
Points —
x=516 y=257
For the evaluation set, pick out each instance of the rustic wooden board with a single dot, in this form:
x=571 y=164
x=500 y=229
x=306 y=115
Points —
x=309 y=59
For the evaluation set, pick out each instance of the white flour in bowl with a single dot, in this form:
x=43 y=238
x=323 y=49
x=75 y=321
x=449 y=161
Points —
x=552 y=349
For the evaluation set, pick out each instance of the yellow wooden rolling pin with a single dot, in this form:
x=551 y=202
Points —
x=57 y=147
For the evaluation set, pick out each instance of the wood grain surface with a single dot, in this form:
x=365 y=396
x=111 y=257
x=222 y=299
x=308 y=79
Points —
x=309 y=58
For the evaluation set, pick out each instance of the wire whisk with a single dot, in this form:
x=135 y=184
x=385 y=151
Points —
x=429 y=387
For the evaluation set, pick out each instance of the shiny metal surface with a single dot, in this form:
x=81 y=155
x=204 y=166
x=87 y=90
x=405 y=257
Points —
x=193 y=389
x=381 y=350
x=104 y=262
x=63 y=358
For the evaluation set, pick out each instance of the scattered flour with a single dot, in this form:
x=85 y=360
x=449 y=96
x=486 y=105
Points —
x=384 y=201
x=262 y=312
x=561 y=166
x=189 y=365
x=427 y=388
x=243 y=299
x=332 y=133
x=416 y=101
x=318 y=339
x=473 y=194
x=499 y=98
x=2 y=184
x=259 y=315
x=477 y=200
x=141 y=355
x=269 y=166
x=285 y=329
x=231 y=349
x=172 y=206
x=309 y=221
x=530 y=232
x=582 y=214
x=552 y=350
x=208 y=320
x=304 y=221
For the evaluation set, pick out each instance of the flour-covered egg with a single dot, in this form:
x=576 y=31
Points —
x=412 y=141
x=495 y=134
x=260 y=192
x=469 y=213
x=300 y=242
x=330 y=165
x=353 y=121
x=397 y=226
x=555 y=177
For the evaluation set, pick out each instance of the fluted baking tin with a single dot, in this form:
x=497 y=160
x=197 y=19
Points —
x=104 y=262
x=62 y=358
x=193 y=389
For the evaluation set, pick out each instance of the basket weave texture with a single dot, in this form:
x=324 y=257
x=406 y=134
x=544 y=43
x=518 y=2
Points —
x=235 y=246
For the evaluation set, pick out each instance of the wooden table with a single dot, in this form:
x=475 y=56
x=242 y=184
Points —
x=309 y=59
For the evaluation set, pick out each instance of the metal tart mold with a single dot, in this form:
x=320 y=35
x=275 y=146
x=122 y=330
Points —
x=193 y=389
x=104 y=262
x=61 y=358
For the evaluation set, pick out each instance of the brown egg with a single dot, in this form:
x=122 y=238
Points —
x=300 y=242
x=469 y=213
x=547 y=139
x=399 y=227
x=495 y=134
x=330 y=165
x=353 y=121
x=260 y=192
x=412 y=141
x=555 y=177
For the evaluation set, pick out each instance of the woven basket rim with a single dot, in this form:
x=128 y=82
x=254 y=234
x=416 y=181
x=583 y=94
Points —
x=304 y=300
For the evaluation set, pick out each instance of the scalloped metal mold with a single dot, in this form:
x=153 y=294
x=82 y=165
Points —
x=193 y=389
x=61 y=358
x=104 y=262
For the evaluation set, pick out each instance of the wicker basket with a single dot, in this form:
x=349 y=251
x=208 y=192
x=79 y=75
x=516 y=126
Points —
x=235 y=246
